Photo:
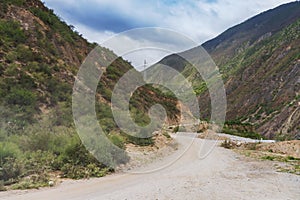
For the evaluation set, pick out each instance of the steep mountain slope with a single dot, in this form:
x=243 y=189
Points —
x=240 y=37
x=259 y=60
x=39 y=58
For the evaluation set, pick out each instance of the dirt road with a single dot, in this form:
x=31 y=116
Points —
x=221 y=175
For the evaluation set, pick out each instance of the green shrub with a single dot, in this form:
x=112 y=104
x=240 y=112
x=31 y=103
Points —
x=139 y=116
x=35 y=141
x=11 y=170
x=74 y=171
x=176 y=129
x=268 y=158
x=103 y=111
x=11 y=32
x=76 y=154
x=167 y=135
x=199 y=88
x=96 y=171
x=26 y=184
x=2 y=68
x=79 y=172
x=292 y=158
x=117 y=140
x=8 y=150
x=48 y=17
x=21 y=97
x=11 y=57
x=62 y=115
x=59 y=91
x=24 y=53
x=140 y=141
x=11 y=70
x=14 y=2
x=39 y=163
x=10 y=167
x=2 y=187
x=26 y=82
x=77 y=161
x=245 y=134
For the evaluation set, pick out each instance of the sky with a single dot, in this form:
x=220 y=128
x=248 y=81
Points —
x=199 y=20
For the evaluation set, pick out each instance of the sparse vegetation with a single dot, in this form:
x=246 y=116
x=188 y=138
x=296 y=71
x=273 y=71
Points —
x=27 y=160
x=251 y=135
x=228 y=144
x=176 y=129
x=280 y=154
x=256 y=58
x=11 y=33
x=268 y=158
x=166 y=134
x=37 y=69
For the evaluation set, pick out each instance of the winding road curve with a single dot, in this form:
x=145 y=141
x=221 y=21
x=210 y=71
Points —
x=222 y=175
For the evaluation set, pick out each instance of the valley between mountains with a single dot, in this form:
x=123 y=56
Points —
x=255 y=155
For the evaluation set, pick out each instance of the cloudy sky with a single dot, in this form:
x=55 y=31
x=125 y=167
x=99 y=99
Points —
x=199 y=20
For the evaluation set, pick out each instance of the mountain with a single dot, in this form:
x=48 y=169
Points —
x=252 y=31
x=40 y=56
x=260 y=62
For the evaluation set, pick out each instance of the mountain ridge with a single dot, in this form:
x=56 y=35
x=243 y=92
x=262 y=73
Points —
x=259 y=62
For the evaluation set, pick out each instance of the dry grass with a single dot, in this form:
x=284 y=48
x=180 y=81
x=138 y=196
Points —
x=283 y=155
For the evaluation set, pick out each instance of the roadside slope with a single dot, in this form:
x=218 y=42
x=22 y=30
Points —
x=221 y=175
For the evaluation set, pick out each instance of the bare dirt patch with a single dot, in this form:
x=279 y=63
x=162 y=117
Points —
x=164 y=145
x=283 y=156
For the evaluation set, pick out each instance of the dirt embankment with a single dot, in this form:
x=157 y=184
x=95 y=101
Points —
x=222 y=174
x=289 y=148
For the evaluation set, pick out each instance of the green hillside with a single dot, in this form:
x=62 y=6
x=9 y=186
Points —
x=39 y=59
x=259 y=61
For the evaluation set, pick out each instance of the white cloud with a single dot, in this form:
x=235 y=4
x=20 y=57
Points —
x=150 y=44
x=198 y=19
x=92 y=35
